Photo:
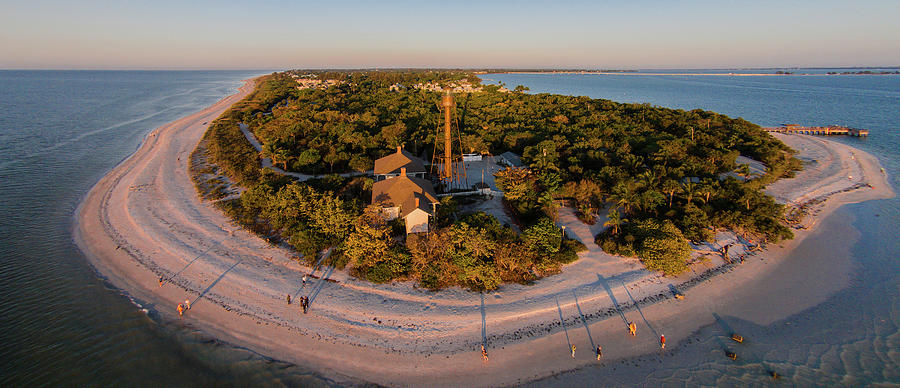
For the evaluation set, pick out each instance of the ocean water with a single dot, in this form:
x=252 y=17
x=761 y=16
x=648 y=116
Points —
x=60 y=324
x=853 y=338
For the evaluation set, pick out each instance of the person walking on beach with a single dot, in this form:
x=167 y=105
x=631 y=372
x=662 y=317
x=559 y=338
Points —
x=289 y=299
x=573 y=351
x=599 y=352
x=160 y=281
x=484 y=356
x=180 y=310
x=187 y=304
x=632 y=328
x=662 y=341
x=304 y=302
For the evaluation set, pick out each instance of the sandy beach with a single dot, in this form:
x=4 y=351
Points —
x=144 y=220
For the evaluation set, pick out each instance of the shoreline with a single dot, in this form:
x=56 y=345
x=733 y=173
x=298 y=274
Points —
x=143 y=219
x=636 y=73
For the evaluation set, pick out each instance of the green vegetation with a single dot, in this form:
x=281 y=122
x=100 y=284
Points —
x=311 y=219
x=226 y=145
x=661 y=246
x=478 y=253
x=660 y=168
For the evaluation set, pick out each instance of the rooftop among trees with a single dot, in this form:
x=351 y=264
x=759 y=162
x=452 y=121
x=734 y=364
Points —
x=659 y=167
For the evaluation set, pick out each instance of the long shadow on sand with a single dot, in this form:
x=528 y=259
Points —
x=584 y=321
x=191 y=262
x=321 y=284
x=483 y=323
x=638 y=307
x=311 y=273
x=612 y=297
x=562 y=322
x=213 y=284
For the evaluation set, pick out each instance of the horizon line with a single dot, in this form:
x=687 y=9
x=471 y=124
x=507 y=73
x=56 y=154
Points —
x=503 y=68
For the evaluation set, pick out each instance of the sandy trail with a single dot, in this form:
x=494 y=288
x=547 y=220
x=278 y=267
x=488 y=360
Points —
x=144 y=220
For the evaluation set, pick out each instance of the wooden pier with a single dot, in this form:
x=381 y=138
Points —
x=824 y=131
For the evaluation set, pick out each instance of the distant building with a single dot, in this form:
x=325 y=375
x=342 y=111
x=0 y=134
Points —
x=407 y=197
x=471 y=157
x=390 y=166
x=312 y=83
x=460 y=86
x=509 y=159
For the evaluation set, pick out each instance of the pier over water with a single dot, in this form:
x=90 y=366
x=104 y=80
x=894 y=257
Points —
x=826 y=131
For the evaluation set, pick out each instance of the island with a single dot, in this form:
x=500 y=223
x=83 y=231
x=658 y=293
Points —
x=585 y=217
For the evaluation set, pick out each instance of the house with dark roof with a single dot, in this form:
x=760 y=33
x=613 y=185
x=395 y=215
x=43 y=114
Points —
x=389 y=166
x=408 y=197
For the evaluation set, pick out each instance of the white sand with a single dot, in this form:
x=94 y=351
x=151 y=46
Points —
x=144 y=220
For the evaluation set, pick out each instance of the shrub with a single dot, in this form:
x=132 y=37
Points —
x=695 y=224
x=395 y=266
x=660 y=246
x=543 y=237
x=664 y=248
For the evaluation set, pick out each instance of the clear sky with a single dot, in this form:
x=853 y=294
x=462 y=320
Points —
x=278 y=34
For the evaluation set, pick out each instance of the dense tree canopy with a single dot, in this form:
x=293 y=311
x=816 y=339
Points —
x=651 y=163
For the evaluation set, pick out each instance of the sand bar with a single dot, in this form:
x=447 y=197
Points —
x=144 y=220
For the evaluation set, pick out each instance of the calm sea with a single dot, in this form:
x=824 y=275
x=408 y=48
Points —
x=60 y=325
x=852 y=339
x=60 y=131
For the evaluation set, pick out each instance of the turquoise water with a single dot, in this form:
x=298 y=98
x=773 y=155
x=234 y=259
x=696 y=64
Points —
x=852 y=339
x=60 y=324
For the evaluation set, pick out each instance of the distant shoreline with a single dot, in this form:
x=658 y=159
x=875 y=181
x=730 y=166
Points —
x=637 y=73
x=144 y=220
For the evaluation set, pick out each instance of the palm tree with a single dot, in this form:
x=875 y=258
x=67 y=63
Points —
x=708 y=188
x=670 y=187
x=278 y=155
x=688 y=188
x=650 y=200
x=650 y=178
x=634 y=161
x=614 y=220
x=282 y=154
x=624 y=196
x=746 y=198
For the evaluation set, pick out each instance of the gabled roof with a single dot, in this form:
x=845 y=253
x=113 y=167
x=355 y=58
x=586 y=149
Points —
x=394 y=191
x=415 y=201
x=392 y=163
